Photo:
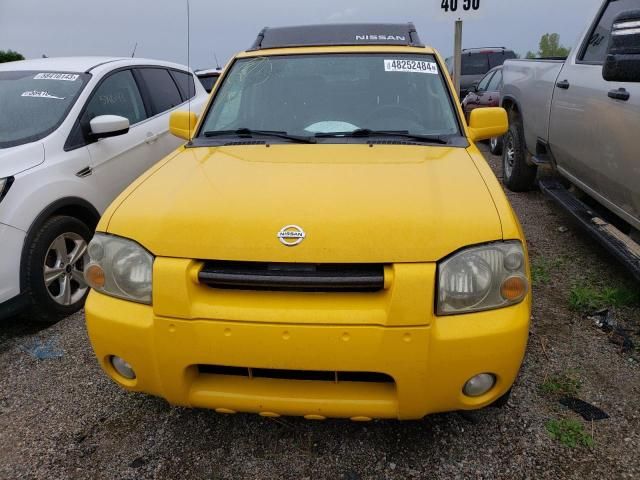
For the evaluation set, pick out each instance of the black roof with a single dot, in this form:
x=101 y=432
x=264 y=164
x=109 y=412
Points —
x=338 y=34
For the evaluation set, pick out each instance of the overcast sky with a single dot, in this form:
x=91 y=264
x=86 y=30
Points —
x=112 y=27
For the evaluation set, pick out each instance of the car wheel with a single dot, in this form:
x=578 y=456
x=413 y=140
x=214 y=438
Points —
x=518 y=175
x=495 y=145
x=54 y=268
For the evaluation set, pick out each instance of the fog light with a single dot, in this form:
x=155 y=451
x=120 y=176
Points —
x=122 y=367
x=479 y=385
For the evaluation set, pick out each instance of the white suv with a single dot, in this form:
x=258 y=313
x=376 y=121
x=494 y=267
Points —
x=74 y=132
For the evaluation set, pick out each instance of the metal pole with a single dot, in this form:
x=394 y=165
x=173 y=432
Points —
x=457 y=56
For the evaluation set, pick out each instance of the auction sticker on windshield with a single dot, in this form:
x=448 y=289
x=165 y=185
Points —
x=40 y=94
x=411 y=66
x=69 y=77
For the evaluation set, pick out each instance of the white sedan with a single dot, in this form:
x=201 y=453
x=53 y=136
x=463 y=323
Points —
x=74 y=132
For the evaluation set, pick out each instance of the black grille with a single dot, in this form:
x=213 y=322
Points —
x=315 y=375
x=301 y=277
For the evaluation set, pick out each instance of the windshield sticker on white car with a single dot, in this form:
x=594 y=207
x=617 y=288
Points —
x=40 y=94
x=410 y=66
x=69 y=77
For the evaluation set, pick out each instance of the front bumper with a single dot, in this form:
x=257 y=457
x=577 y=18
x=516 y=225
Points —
x=429 y=364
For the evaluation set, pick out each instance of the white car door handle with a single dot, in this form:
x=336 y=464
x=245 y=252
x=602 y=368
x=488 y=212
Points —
x=151 y=137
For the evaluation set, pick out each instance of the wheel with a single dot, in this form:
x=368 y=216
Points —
x=495 y=145
x=518 y=175
x=53 y=268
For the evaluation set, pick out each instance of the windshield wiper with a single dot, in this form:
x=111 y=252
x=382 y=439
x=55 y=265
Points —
x=249 y=133
x=366 y=132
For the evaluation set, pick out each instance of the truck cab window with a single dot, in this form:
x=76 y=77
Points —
x=595 y=49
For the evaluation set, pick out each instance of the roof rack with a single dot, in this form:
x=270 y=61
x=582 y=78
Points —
x=337 y=35
x=484 y=48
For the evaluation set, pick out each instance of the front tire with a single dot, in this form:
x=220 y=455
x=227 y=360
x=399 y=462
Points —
x=53 y=269
x=518 y=175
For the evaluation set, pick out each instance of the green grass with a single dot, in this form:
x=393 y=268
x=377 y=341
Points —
x=565 y=384
x=541 y=268
x=569 y=432
x=586 y=298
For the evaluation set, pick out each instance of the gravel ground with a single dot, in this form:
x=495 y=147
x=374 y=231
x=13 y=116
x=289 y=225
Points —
x=60 y=417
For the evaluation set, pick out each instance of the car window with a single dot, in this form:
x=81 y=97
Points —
x=498 y=58
x=118 y=94
x=496 y=82
x=484 y=83
x=208 y=81
x=162 y=89
x=185 y=83
x=598 y=41
x=475 y=64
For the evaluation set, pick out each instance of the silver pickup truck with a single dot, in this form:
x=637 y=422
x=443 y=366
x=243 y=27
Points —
x=581 y=116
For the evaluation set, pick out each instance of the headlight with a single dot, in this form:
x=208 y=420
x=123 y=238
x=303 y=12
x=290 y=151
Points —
x=482 y=278
x=119 y=267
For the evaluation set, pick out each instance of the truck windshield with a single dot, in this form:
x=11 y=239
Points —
x=308 y=95
x=34 y=103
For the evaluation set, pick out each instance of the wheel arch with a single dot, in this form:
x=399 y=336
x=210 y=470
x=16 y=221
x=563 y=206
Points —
x=510 y=104
x=69 y=206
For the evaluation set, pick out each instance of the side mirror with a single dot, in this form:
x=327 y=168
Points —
x=104 y=126
x=486 y=123
x=182 y=124
x=623 y=55
x=474 y=86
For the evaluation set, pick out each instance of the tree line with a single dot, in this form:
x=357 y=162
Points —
x=10 y=56
x=549 y=46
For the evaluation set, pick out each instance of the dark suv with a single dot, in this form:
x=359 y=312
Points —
x=476 y=62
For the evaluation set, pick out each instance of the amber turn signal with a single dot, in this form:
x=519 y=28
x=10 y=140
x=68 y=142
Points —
x=94 y=275
x=513 y=288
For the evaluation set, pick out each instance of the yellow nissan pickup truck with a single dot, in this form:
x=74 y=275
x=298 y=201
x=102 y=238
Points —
x=329 y=243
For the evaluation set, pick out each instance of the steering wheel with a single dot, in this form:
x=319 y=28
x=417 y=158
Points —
x=401 y=112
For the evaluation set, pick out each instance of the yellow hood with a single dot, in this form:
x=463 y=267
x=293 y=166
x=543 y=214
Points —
x=355 y=203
